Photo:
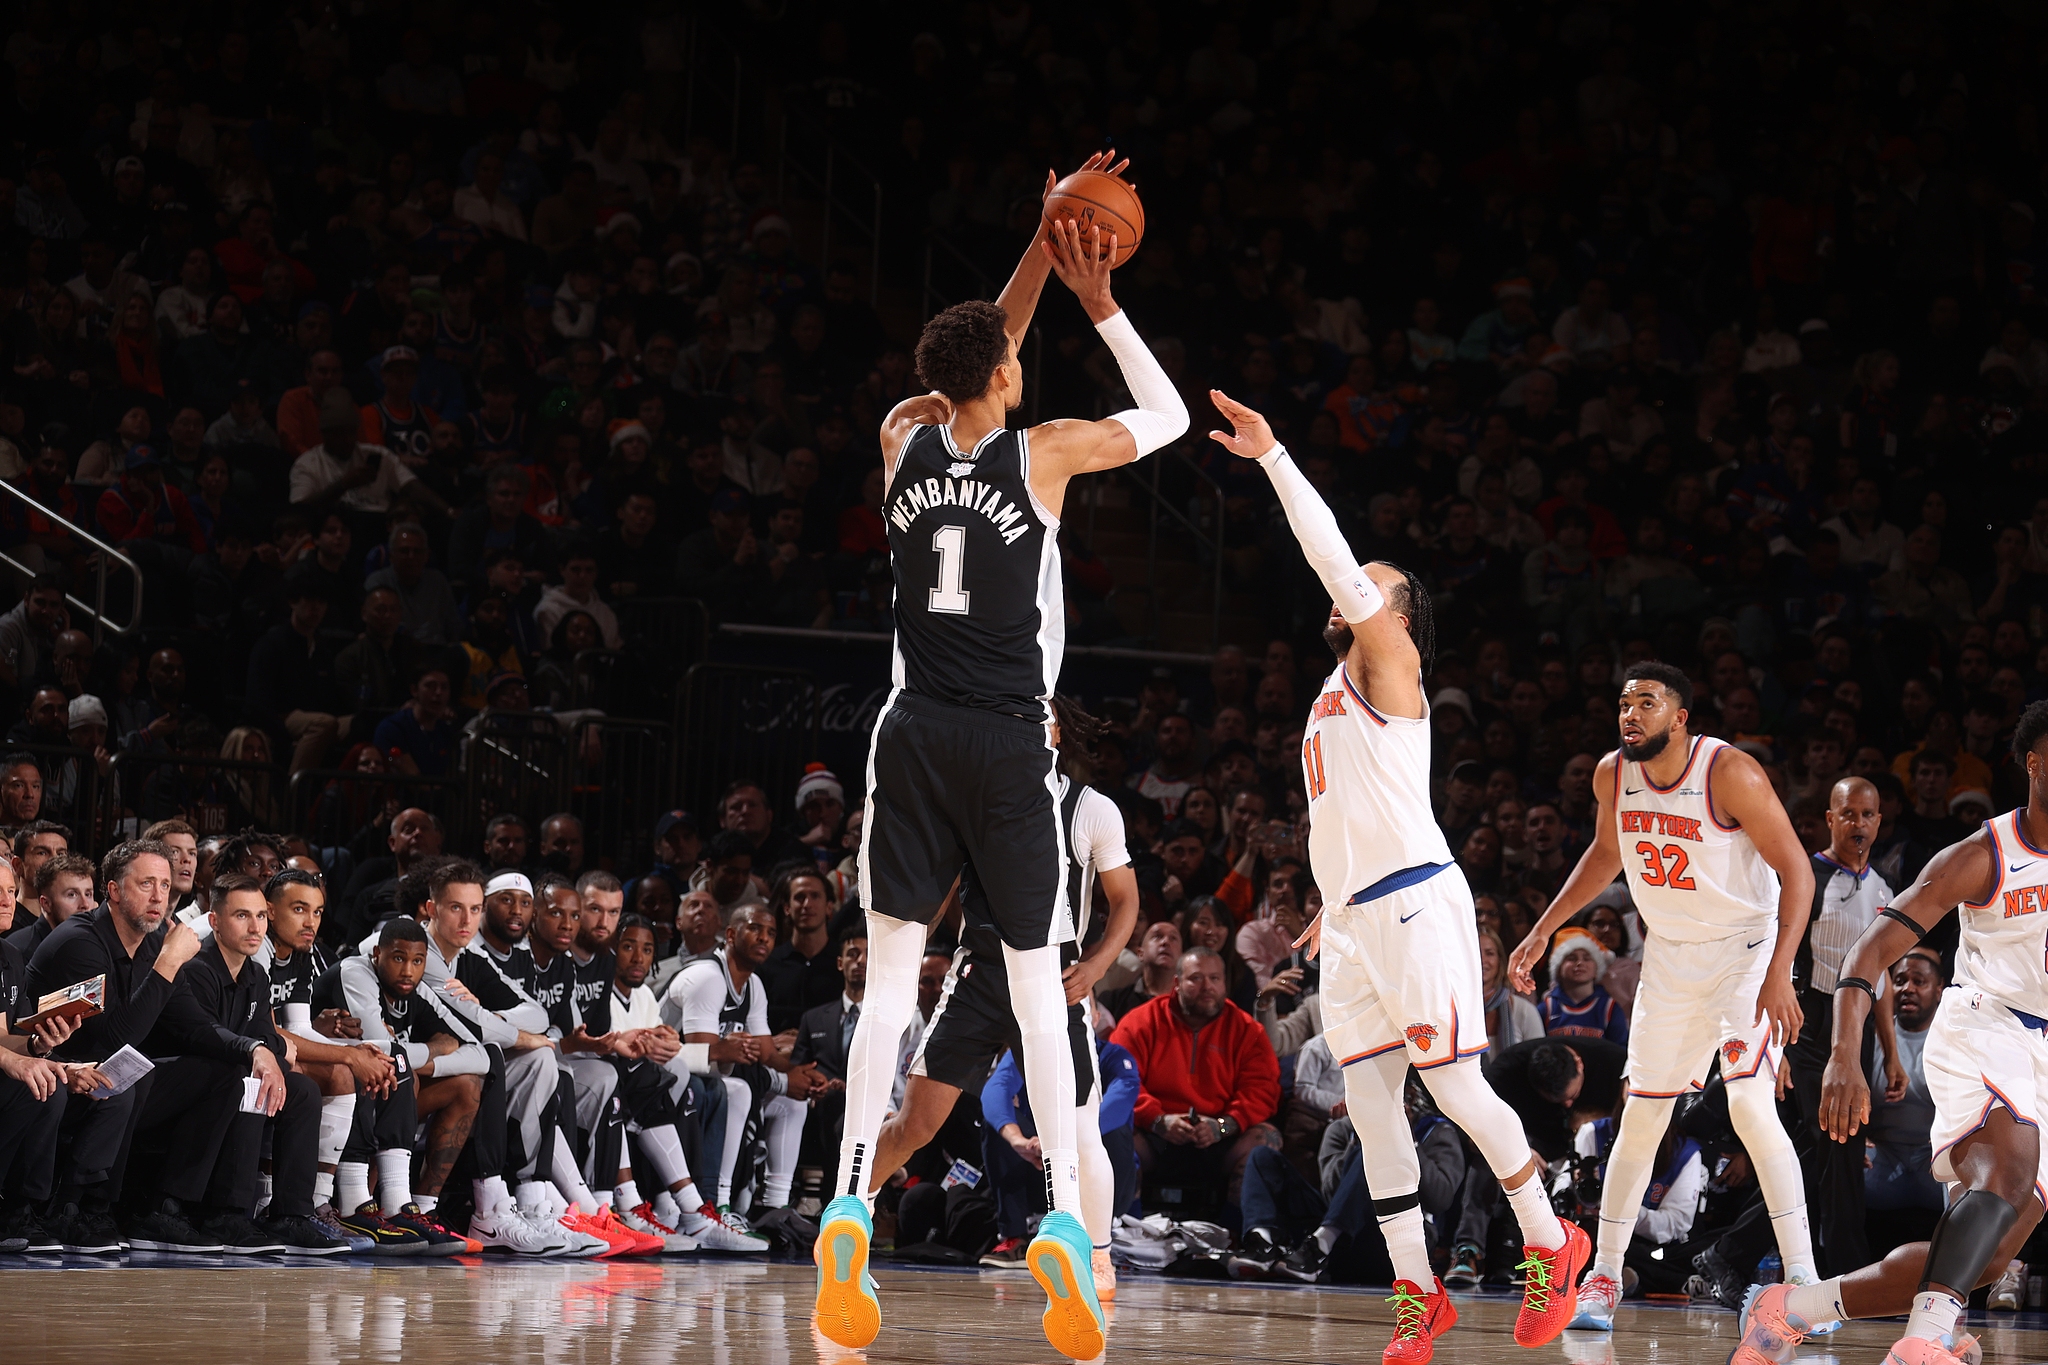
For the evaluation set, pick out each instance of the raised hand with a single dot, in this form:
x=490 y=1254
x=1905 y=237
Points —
x=1081 y=260
x=1249 y=436
x=1097 y=162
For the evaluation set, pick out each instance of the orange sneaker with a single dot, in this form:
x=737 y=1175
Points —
x=1419 y=1319
x=618 y=1241
x=1548 y=1278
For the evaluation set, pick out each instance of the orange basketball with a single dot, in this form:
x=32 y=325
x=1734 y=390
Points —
x=1097 y=198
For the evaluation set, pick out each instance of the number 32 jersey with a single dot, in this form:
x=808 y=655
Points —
x=1693 y=878
x=980 y=610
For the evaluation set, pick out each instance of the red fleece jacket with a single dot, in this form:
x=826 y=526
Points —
x=1226 y=1069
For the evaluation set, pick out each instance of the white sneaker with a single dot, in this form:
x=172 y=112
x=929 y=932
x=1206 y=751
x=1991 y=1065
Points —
x=2005 y=1295
x=575 y=1242
x=505 y=1228
x=642 y=1220
x=715 y=1231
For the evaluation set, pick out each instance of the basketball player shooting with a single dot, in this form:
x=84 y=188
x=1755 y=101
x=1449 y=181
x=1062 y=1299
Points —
x=1724 y=888
x=1400 y=945
x=962 y=768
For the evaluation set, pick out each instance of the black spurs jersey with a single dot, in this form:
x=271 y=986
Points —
x=291 y=978
x=353 y=986
x=980 y=612
x=593 y=981
x=554 y=986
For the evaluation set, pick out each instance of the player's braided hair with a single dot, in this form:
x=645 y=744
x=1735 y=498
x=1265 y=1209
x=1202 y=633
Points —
x=1078 y=732
x=1416 y=605
x=961 y=348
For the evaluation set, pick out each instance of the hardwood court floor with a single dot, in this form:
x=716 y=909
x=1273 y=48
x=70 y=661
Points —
x=171 y=1311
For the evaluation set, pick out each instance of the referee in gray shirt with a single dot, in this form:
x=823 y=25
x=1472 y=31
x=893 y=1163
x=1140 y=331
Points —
x=1848 y=893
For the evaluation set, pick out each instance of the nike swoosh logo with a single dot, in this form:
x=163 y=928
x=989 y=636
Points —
x=1631 y=791
x=1765 y=939
x=2019 y=867
x=1406 y=918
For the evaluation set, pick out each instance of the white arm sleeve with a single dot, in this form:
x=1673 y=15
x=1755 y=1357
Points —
x=1356 y=596
x=1160 y=417
x=468 y=1060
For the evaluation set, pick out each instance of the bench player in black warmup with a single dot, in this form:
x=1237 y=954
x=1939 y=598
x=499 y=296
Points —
x=961 y=769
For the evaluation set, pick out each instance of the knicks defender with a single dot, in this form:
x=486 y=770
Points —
x=1400 y=946
x=962 y=766
x=1724 y=888
x=1986 y=1059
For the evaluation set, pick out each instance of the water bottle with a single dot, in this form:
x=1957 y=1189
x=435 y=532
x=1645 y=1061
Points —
x=1770 y=1269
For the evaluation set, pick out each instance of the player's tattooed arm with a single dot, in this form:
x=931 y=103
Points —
x=1967 y=871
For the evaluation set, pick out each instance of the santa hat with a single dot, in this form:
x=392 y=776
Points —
x=1569 y=941
x=819 y=780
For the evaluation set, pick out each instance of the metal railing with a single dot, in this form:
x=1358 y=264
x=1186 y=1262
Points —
x=102 y=554
x=624 y=778
x=213 y=795
x=515 y=762
x=742 y=720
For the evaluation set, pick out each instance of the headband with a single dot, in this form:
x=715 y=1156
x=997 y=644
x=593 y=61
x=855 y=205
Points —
x=508 y=881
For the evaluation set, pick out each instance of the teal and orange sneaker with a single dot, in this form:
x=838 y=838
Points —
x=848 y=1312
x=1061 y=1259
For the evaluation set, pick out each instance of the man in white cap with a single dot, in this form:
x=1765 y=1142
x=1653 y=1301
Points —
x=70 y=789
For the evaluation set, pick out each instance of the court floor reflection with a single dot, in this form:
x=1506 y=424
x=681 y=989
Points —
x=176 y=1311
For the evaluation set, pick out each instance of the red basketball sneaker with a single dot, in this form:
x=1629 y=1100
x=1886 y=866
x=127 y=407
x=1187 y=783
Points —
x=1548 y=1277
x=1419 y=1319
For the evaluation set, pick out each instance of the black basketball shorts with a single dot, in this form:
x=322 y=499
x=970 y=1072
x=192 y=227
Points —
x=953 y=785
x=973 y=1024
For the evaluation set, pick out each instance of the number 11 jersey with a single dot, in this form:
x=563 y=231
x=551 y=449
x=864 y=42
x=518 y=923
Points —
x=980 y=610
x=1693 y=878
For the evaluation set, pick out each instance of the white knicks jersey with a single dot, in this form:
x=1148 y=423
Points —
x=1367 y=778
x=1693 y=878
x=2004 y=943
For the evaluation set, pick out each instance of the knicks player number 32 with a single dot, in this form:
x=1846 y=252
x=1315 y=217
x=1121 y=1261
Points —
x=1655 y=871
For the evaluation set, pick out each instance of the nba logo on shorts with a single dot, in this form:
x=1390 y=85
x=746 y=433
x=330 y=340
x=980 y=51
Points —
x=1732 y=1050
x=1422 y=1035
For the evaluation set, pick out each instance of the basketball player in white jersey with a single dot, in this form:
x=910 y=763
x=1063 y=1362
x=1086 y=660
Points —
x=1724 y=888
x=1401 y=982
x=1986 y=1060
x=961 y=769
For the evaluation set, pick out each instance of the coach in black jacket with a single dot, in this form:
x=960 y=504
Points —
x=217 y=1031
x=126 y=940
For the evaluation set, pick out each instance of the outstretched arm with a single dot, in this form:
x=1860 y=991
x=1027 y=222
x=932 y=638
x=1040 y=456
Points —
x=1383 y=658
x=1062 y=449
x=1598 y=866
x=1967 y=871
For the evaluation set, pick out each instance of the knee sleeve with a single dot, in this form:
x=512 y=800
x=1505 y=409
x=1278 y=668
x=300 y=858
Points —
x=1463 y=1096
x=339 y=1123
x=1966 y=1239
x=1753 y=1113
x=1373 y=1095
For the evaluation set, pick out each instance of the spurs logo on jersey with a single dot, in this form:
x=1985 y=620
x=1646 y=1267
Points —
x=2004 y=944
x=1367 y=777
x=1692 y=878
x=980 y=612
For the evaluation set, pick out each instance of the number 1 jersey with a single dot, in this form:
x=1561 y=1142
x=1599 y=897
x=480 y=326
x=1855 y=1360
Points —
x=1692 y=878
x=980 y=610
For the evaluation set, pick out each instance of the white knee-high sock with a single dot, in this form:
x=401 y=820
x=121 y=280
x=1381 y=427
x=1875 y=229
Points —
x=739 y=1103
x=1098 y=1180
x=664 y=1148
x=1753 y=1113
x=1039 y=999
x=337 y=1116
x=1463 y=1096
x=784 y=1122
x=1393 y=1170
x=895 y=948
x=568 y=1176
x=1644 y=1120
x=394 y=1180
